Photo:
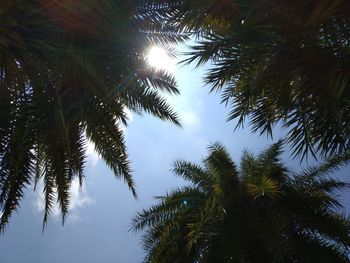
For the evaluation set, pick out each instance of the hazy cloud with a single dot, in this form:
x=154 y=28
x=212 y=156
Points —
x=190 y=119
x=78 y=199
x=92 y=156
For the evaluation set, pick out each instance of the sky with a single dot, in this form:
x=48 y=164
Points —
x=97 y=229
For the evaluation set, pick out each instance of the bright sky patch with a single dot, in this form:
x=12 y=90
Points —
x=159 y=58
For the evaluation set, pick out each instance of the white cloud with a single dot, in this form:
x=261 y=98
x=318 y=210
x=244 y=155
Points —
x=92 y=156
x=78 y=196
x=190 y=119
x=78 y=199
x=161 y=59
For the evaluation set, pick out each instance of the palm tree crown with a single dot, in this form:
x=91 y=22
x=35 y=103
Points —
x=257 y=212
x=68 y=71
x=275 y=62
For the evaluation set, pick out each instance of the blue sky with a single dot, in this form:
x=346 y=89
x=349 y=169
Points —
x=97 y=227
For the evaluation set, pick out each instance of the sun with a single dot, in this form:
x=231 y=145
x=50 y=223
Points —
x=158 y=58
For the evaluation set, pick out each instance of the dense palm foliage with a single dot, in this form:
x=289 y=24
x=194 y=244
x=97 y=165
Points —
x=257 y=212
x=276 y=61
x=68 y=71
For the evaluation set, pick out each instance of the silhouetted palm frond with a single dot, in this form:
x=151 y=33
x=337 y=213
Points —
x=68 y=72
x=275 y=62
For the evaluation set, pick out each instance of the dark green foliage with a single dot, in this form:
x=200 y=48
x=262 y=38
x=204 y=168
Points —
x=68 y=71
x=258 y=212
x=284 y=62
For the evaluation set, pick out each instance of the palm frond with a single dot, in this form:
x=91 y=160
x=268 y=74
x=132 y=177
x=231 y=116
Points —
x=266 y=214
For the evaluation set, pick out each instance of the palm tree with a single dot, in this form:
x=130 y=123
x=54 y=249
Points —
x=68 y=72
x=276 y=62
x=259 y=212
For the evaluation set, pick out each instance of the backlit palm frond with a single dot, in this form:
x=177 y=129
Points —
x=79 y=66
x=17 y=163
x=159 y=79
x=184 y=198
x=141 y=98
x=193 y=173
x=277 y=62
x=321 y=251
x=222 y=169
x=103 y=129
x=48 y=191
x=264 y=186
